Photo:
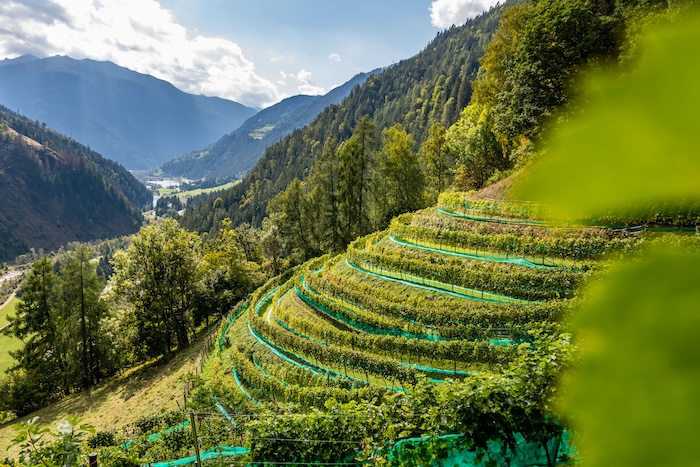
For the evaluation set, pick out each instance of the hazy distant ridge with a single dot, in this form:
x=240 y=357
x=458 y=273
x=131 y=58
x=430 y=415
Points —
x=234 y=154
x=132 y=118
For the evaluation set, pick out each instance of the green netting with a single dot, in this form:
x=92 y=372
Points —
x=427 y=369
x=281 y=355
x=307 y=365
x=357 y=325
x=241 y=388
x=213 y=453
x=265 y=300
x=430 y=369
x=450 y=451
x=348 y=305
x=237 y=312
x=298 y=334
x=517 y=260
x=225 y=413
x=498 y=341
x=159 y=435
x=507 y=220
x=265 y=372
x=433 y=285
x=492 y=219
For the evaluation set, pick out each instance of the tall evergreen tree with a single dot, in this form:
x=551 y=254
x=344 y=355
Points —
x=355 y=162
x=437 y=158
x=325 y=176
x=83 y=310
x=38 y=324
x=401 y=172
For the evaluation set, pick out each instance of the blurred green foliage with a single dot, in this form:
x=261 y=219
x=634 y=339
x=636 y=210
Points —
x=636 y=396
x=637 y=141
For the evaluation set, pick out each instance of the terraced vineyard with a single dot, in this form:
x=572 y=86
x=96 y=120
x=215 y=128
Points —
x=440 y=302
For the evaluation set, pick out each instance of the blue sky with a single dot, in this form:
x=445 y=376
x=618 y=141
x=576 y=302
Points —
x=256 y=52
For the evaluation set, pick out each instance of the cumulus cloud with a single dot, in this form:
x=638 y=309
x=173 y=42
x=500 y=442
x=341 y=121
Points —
x=334 y=56
x=136 y=34
x=445 y=13
x=305 y=80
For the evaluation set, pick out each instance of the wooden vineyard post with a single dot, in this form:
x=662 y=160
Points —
x=193 y=421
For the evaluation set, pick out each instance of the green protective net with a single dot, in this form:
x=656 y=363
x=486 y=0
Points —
x=517 y=260
x=450 y=450
x=226 y=413
x=433 y=285
x=491 y=219
x=307 y=291
x=241 y=388
x=259 y=366
x=272 y=348
x=213 y=453
x=236 y=313
x=307 y=365
x=159 y=435
x=510 y=220
x=425 y=368
x=305 y=296
x=265 y=300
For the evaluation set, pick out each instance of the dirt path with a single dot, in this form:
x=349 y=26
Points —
x=9 y=299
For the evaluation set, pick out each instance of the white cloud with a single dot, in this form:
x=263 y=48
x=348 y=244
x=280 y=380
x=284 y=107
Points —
x=136 y=34
x=278 y=57
x=304 y=76
x=445 y=13
x=306 y=85
x=335 y=57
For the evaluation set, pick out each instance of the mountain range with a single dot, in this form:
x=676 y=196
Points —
x=234 y=154
x=134 y=119
x=431 y=87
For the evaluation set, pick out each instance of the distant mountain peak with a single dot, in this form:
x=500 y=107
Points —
x=135 y=119
x=21 y=59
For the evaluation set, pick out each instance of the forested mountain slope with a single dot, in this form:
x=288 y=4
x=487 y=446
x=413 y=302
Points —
x=55 y=190
x=433 y=86
x=234 y=154
x=132 y=118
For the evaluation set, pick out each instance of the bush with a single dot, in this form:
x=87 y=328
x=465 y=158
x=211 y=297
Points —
x=102 y=439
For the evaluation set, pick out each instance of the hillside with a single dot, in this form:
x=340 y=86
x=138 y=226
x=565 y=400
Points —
x=234 y=154
x=56 y=191
x=135 y=119
x=433 y=86
x=464 y=304
x=145 y=391
x=448 y=309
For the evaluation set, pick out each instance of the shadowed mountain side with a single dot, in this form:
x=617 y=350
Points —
x=54 y=196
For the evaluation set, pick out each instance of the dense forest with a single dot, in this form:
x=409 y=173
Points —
x=55 y=190
x=431 y=87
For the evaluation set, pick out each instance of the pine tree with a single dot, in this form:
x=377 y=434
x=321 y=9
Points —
x=83 y=310
x=38 y=324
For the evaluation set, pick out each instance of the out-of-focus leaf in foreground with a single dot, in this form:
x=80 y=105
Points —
x=635 y=399
x=638 y=139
